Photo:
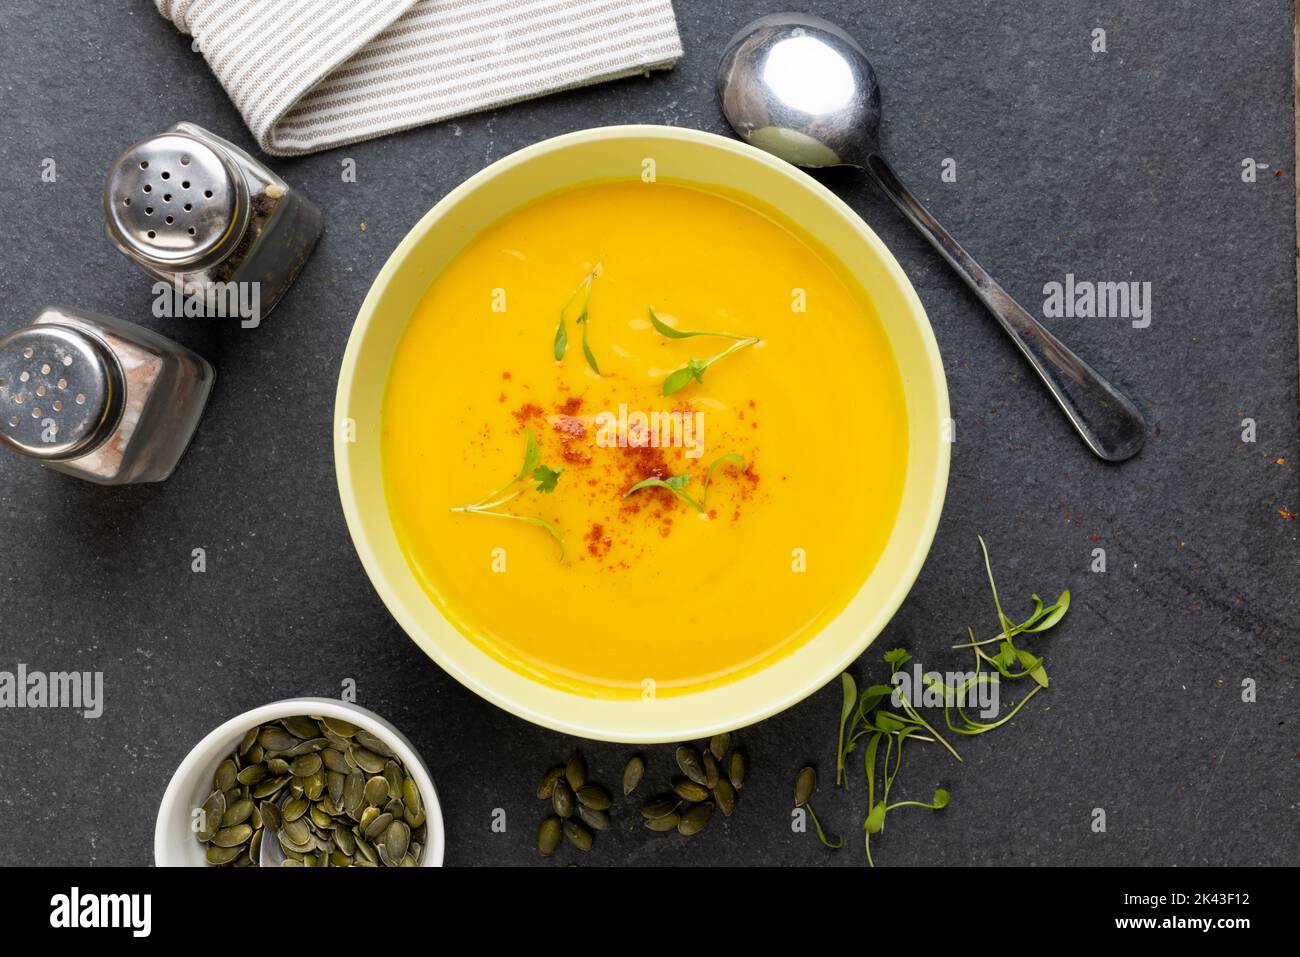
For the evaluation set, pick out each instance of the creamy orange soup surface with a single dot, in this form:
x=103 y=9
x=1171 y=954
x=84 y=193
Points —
x=802 y=436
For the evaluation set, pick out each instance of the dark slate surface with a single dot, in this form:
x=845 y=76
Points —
x=1115 y=166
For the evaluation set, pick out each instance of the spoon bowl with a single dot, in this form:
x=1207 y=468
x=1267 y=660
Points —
x=803 y=89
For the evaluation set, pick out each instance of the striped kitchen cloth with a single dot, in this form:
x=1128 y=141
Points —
x=308 y=75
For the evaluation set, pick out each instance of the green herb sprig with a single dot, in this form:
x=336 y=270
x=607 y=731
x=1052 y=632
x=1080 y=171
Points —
x=677 y=483
x=561 y=344
x=694 y=369
x=862 y=714
x=532 y=476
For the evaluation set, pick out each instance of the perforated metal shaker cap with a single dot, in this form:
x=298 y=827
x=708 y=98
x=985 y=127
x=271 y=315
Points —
x=175 y=202
x=61 y=391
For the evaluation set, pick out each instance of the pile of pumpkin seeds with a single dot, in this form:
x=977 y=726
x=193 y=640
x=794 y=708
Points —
x=710 y=777
x=572 y=794
x=331 y=794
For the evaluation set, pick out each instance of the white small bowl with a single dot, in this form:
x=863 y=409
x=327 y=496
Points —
x=174 y=844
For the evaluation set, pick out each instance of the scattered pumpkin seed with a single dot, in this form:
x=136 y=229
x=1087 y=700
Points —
x=633 y=773
x=548 y=835
x=710 y=770
x=659 y=806
x=719 y=744
x=668 y=822
x=724 y=795
x=577 y=835
x=597 y=820
x=575 y=772
x=594 y=796
x=737 y=769
x=688 y=759
x=695 y=820
x=690 y=791
x=562 y=799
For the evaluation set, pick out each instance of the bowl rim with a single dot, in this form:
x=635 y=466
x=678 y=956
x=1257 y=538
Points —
x=194 y=761
x=935 y=383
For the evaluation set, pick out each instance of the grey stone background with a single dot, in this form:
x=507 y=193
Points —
x=1115 y=166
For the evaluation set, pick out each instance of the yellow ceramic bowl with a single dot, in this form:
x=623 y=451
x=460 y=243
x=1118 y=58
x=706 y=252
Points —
x=706 y=160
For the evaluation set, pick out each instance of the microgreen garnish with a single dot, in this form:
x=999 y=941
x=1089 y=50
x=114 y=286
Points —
x=694 y=369
x=532 y=471
x=864 y=713
x=674 y=483
x=561 y=344
x=677 y=483
x=732 y=459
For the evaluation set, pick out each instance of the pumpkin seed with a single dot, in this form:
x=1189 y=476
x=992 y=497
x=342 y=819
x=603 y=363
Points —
x=562 y=799
x=378 y=826
x=737 y=769
x=334 y=782
x=232 y=836
x=411 y=798
x=594 y=796
x=314 y=746
x=354 y=793
x=366 y=760
x=804 y=786
x=334 y=760
x=577 y=835
x=226 y=774
x=372 y=743
x=597 y=820
x=668 y=822
x=695 y=820
x=237 y=813
x=255 y=846
x=547 y=785
x=688 y=759
x=276 y=739
x=277 y=766
x=689 y=790
x=270 y=786
x=345 y=840
x=719 y=744
x=376 y=791
x=250 y=737
x=214 y=809
x=301 y=726
x=294 y=809
x=393 y=775
x=368 y=817
x=252 y=774
x=271 y=817
x=222 y=855
x=344 y=729
x=305 y=766
x=397 y=838
x=659 y=806
x=633 y=773
x=548 y=836
x=710 y=770
x=575 y=772
x=725 y=796
x=320 y=817
x=313 y=786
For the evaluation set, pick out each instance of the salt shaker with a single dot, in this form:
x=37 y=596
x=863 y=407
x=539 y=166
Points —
x=101 y=399
x=190 y=207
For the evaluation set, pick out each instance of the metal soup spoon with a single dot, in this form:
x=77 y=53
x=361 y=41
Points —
x=803 y=89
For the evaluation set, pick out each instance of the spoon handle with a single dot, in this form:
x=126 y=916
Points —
x=1108 y=422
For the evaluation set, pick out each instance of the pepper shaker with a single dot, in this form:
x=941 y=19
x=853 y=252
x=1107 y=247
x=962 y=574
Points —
x=101 y=399
x=192 y=208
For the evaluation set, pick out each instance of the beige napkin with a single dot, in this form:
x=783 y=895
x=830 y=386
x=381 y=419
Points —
x=311 y=74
